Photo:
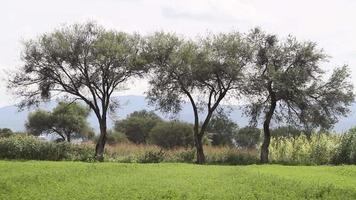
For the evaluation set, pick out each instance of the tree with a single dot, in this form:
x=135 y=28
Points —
x=201 y=72
x=137 y=125
x=248 y=137
x=80 y=62
x=67 y=120
x=172 y=134
x=222 y=130
x=288 y=85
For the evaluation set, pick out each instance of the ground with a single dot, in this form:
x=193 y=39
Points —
x=76 y=180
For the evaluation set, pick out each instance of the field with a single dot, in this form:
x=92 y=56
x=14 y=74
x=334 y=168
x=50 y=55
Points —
x=77 y=180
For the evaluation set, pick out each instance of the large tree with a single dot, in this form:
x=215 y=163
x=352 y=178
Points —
x=67 y=120
x=288 y=84
x=200 y=72
x=80 y=62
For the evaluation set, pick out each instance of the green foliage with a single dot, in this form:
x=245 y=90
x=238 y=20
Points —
x=222 y=130
x=186 y=156
x=137 y=125
x=117 y=181
x=346 y=152
x=67 y=120
x=318 y=149
x=31 y=148
x=286 y=131
x=248 y=137
x=152 y=157
x=114 y=137
x=172 y=134
x=5 y=132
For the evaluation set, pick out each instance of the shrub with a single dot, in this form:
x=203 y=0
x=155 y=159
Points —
x=114 y=137
x=31 y=148
x=346 y=152
x=318 y=149
x=172 y=134
x=5 y=132
x=152 y=157
x=231 y=156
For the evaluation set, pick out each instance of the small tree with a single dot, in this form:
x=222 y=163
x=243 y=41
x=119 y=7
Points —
x=172 y=134
x=83 y=62
x=222 y=130
x=287 y=84
x=67 y=120
x=137 y=125
x=200 y=72
x=248 y=137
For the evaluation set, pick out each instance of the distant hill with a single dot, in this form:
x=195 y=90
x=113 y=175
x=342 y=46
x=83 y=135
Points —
x=11 y=118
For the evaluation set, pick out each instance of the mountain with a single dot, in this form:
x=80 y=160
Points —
x=11 y=118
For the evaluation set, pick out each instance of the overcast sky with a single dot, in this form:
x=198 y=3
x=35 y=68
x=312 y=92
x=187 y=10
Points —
x=330 y=23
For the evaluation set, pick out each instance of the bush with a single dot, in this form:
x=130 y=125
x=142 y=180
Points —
x=346 y=152
x=114 y=137
x=172 y=134
x=5 y=132
x=231 y=156
x=318 y=149
x=31 y=148
x=152 y=157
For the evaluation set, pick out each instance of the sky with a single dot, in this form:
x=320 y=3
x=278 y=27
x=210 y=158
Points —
x=330 y=23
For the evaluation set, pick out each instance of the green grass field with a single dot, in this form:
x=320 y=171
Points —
x=75 y=180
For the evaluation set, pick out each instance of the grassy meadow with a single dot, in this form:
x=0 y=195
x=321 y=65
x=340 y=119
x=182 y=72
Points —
x=79 y=180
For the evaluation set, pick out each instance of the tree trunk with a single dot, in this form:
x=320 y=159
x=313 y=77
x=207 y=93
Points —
x=68 y=138
x=199 y=148
x=267 y=132
x=99 y=149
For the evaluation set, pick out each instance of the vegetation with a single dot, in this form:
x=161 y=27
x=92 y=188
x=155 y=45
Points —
x=283 y=81
x=222 y=130
x=172 y=134
x=318 y=149
x=182 y=68
x=288 y=84
x=84 y=62
x=67 y=120
x=65 y=180
x=5 y=132
x=346 y=151
x=25 y=147
x=138 y=125
x=248 y=137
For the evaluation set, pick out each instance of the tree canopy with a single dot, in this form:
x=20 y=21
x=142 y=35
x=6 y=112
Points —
x=200 y=72
x=81 y=62
x=288 y=84
x=137 y=125
x=67 y=120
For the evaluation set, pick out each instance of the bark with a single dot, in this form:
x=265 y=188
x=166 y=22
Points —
x=267 y=132
x=68 y=137
x=99 y=149
x=199 y=148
